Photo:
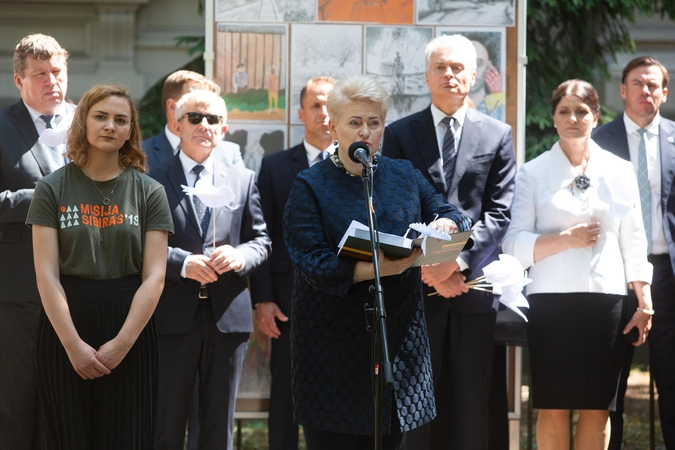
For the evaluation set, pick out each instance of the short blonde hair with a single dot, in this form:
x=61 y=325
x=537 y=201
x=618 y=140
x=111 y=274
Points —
x=202 y=98
x=454 y=41
x=356 y=88
x=175 y=84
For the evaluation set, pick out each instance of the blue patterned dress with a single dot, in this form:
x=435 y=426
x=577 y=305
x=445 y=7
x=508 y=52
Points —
x=331 y=348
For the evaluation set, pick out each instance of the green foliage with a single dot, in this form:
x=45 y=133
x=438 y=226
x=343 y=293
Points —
x=574 y=39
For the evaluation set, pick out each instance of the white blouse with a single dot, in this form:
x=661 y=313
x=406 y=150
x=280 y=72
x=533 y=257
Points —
x=546 y=202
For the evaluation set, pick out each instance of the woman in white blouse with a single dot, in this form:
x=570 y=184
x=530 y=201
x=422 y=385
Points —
x=576 y=223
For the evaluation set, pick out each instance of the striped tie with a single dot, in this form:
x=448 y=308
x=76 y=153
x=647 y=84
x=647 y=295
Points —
x=449 y=150
x=645 y=189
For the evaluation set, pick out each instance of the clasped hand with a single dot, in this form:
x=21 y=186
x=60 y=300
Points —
x=90 y=363
x=206 y=269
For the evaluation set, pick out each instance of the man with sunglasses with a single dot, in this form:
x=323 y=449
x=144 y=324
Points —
x=204 y=315
x=162 y=147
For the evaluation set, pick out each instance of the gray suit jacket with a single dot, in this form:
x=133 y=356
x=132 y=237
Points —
x=612 y=137
x=239 y=224
x=23 y=161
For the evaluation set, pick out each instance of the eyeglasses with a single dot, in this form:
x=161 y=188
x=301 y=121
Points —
x=196 y=118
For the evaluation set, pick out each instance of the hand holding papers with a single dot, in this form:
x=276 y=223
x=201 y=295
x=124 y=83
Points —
x=211 y=196
x=436 y=245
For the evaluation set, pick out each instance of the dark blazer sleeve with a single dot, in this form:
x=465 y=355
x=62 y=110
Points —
x=487 y=199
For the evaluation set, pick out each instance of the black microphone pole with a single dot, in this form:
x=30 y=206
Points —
x=382 y=370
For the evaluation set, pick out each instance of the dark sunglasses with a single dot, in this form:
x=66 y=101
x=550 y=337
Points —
x=196 y=118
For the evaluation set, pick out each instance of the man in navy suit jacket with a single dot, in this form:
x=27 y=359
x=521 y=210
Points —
x=461 y=322
x=272 y=283
x=644 y=87
x=163 y=146
x=41 y=75
x=204 y=316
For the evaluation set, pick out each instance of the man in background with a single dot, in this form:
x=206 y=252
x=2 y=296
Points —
x=272 y=283
x=467 y=156
x=642 y=136
x=41 y=75
x=163 y=146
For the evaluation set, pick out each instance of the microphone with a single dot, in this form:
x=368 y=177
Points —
x=359 y=152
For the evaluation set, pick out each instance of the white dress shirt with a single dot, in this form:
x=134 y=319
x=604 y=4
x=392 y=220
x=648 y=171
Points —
x=545 y=203
x=313 y=152
x=659 y=242
x=438 y=116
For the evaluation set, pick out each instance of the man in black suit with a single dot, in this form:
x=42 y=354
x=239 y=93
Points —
x=41 y=75
x=204 y=316
x=475 y=167
x=163 y=146
x=644 y=87
x=272 y=283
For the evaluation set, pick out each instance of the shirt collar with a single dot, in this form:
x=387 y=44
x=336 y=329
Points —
x=189 y=163
x=632 y=127
x=313 y=152
x=35 y=115
x=174 y=140
x=439 y=115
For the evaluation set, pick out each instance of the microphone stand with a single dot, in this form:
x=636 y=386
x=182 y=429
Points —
x=382 y=369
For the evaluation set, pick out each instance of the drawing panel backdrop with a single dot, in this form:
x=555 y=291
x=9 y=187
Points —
x=266 y=50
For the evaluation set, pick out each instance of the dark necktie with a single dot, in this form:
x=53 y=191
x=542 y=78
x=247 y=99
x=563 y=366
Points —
x=449 y=150
x=47 y=119
x=203 y=212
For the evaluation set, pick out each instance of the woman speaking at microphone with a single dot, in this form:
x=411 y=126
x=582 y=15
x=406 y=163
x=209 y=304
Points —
x=332 y=364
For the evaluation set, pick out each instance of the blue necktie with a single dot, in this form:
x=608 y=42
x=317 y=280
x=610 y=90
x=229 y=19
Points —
x=644 y=187
x=203 y=212
x=449 y=150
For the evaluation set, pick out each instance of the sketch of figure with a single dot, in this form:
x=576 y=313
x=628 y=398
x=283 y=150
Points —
x=386 y=50
x=272 y=92
x=240 y=79
x=318 y=50
x=265 y=10
x=465 y=12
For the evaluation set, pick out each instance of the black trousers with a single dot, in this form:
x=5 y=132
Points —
x=21 y=418
x=662 y=344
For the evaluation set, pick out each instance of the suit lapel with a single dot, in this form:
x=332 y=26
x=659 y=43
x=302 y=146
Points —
x=468 y=144
x=667 y=151
x=425 y=135
x=620 y=141
x=299 y=159
x=176 y=178
x=24 y=124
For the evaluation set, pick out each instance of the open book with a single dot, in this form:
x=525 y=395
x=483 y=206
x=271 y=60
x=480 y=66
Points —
x=436 y=245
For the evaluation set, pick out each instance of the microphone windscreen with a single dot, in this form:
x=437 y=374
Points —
x=354 y=147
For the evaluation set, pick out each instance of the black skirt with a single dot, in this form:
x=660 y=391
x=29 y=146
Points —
x=116 y=411
x=576 y=344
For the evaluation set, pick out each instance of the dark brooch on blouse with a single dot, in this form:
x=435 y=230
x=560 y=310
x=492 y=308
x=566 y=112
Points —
x=582 y=182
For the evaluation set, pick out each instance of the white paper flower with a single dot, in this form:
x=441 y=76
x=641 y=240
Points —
x=428 y=231
x=507 y=278
x=211 y=196
x=53 y=137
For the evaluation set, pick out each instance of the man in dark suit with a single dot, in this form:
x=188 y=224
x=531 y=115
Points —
x=163 y=146
x=644 y=87
x=41 y=75
x=204 y=315
x=272 y=283
x=468 y=156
